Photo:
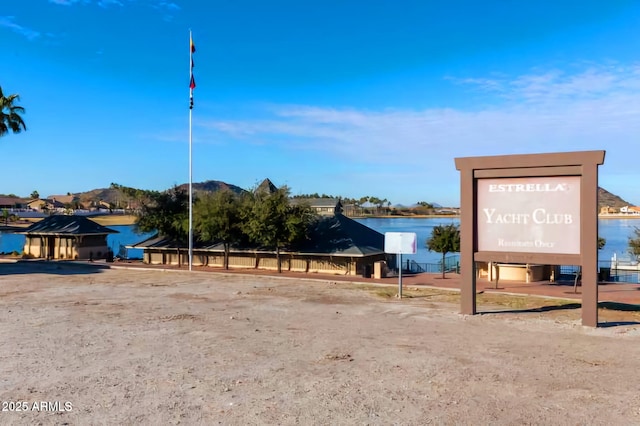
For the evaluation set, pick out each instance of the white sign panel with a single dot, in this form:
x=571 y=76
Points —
x=400 y=242
x=529 y=215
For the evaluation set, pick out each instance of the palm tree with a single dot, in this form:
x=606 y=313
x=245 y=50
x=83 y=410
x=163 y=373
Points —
x=10 y=118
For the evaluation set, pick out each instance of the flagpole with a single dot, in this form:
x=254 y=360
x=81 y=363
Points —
x=190 y=152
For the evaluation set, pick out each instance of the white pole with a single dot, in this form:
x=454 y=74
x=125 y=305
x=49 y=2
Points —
x=400 y=277
x=190 y=155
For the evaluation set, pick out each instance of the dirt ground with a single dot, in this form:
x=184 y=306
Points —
x=119 y=346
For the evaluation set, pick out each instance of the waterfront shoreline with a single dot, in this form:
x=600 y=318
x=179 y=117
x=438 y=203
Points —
x=618 y=216
x=114 y=220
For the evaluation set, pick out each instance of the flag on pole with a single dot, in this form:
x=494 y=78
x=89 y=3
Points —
x=192 y=85
x=192 y=80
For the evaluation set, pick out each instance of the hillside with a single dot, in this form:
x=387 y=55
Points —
x=607 y=199
x=115 y=197
x=211 y=186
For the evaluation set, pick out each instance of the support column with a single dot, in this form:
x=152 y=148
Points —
x=589 y=244
x=467 y=264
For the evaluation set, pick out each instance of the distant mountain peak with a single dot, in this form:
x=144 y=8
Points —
x=212 y=186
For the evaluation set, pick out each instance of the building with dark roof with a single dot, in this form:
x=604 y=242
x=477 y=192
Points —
x=67 y=237
x=336 y=244
x=321 y=206
x=266 y=187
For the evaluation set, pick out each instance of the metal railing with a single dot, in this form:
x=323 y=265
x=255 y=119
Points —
x=451 y=264
x=606 y=273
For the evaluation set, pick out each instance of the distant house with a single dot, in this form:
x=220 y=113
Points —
x=337 y=245
x=12 y=203
x=608 y=210
x=64 y=199
x=50 y=204
x=66 y=237
x=322 y=206
x=95 y=205
x=448 y=211
x=349 y=209
x=630 y=210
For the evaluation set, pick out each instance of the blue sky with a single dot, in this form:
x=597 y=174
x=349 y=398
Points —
x=342 y=97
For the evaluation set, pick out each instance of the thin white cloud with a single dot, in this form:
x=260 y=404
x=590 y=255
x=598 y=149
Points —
x=167 y=5
x=66 y=2
x=9 y=22
x=101 y=3
x=404 y=151
x=107 y=3
x=555 y=85
x=597 y=108
x=167 y=8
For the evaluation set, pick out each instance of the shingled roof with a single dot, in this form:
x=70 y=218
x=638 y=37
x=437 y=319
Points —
x=67 y=225
x=158 y=241
x=340 y=235
x=266 y=187
x=335 y=235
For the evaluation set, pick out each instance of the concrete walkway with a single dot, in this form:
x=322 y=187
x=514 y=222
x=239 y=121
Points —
x=607 y=292
x=626 y=293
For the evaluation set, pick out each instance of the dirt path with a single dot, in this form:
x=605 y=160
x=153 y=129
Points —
x=152 y=347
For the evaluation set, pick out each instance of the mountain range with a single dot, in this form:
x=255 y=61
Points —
x=115 y=197
x=605 y=198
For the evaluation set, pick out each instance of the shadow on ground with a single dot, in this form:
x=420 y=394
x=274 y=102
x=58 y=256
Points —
x=618 y=307
x=617 y=323
x=606 y=309
x=534 y=310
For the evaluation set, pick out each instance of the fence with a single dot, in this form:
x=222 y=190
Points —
x=451 y=264
x=606 y=272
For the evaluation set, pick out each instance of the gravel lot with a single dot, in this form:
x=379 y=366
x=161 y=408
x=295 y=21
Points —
x=85 y=345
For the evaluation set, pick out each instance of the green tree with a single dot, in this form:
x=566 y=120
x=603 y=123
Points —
x=444 y=239
x=361 y=202
x=275 y=224
x=165 y=212
x=35 y=195
x=634 y=243
x=10 y=114
x=424 y=204
x=376 y=202
x=217 y=218
x=5 y=216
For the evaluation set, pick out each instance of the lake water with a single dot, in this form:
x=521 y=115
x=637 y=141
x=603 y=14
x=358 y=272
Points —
x=615 y=231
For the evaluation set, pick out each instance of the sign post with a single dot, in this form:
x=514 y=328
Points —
x=399 y=243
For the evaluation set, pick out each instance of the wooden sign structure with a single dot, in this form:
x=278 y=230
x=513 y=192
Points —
x=530 y=208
